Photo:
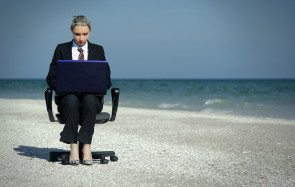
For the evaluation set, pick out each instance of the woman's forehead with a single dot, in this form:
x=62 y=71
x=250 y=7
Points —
x=81 y=29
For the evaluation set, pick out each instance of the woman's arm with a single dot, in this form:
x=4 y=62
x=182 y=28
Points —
x=51 y=76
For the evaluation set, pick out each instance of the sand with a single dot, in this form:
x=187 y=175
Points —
x=155 y=148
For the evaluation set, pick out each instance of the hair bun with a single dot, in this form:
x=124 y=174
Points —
x=80 y=20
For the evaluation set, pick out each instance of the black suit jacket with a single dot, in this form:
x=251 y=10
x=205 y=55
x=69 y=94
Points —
x=64 y=52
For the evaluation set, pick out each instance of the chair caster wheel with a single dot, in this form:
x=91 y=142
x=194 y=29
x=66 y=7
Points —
x=114 y=158
x=104 y=161
x=65 y=159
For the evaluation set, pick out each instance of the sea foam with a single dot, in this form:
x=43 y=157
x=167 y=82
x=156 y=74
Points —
x=213 y=101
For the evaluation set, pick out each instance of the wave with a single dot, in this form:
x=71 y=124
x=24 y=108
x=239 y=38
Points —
x=169 y=105
x=213 y=101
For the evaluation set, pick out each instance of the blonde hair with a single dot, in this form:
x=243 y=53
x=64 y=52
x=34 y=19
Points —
x=80 y=20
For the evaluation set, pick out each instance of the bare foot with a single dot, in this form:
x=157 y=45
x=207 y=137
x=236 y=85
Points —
x=87 y=152
x=74 y=152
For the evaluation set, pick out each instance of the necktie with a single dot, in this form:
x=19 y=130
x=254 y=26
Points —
x=81 y=55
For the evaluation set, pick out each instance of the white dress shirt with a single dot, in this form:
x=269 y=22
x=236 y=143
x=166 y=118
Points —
x=75 y=52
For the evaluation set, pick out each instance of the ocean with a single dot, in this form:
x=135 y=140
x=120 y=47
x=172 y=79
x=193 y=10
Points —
x=256 y=98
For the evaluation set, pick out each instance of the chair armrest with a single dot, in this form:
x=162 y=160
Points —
x=48 y=100
x=115 y=100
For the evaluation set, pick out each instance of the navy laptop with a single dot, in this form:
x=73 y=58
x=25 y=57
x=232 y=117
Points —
x=81 y=77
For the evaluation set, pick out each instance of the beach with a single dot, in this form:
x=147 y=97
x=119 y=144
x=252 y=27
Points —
x=154 y=147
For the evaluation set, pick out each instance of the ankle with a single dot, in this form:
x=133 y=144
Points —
x=86 y=148
x=74 y=154
x=87 y=155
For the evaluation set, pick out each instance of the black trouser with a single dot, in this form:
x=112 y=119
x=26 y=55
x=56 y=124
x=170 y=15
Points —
x=79 y=110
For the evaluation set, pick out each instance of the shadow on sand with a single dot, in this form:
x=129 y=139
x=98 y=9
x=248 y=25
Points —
x=35 y=152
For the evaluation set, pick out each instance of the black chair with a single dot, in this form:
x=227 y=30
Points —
x=102 y=117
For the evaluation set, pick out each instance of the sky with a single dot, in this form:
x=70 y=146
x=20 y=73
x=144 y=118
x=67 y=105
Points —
x=156 y=39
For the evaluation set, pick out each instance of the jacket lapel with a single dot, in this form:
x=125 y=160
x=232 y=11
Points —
x=68 y=51
x=90 y=54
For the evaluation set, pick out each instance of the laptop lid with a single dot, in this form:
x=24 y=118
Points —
x=81 y=77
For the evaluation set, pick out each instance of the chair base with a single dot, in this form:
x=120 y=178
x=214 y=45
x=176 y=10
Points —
x=64 y=156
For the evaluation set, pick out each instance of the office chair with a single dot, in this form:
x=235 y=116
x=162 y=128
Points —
x=102 y=117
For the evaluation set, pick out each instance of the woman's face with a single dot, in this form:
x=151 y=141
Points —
x=81 y=34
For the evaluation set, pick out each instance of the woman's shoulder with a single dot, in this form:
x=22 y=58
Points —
x=94 y=45
x=65 y=44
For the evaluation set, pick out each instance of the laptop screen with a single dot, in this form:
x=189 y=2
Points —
x=81 y=77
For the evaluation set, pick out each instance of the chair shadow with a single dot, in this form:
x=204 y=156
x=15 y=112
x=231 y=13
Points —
x=35 y=152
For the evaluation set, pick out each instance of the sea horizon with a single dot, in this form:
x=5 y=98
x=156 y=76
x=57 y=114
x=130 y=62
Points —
x=166 y=79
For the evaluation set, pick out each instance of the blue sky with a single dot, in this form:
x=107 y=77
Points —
x=156 y=38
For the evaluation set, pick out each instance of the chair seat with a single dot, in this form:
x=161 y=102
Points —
x=102 y=117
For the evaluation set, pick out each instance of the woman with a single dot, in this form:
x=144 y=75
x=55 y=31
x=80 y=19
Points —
x=77 y=109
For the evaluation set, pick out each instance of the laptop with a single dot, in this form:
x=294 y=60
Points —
x=81 y=77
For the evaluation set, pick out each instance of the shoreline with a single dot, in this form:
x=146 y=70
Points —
x=155 y=148
x=205 y=114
